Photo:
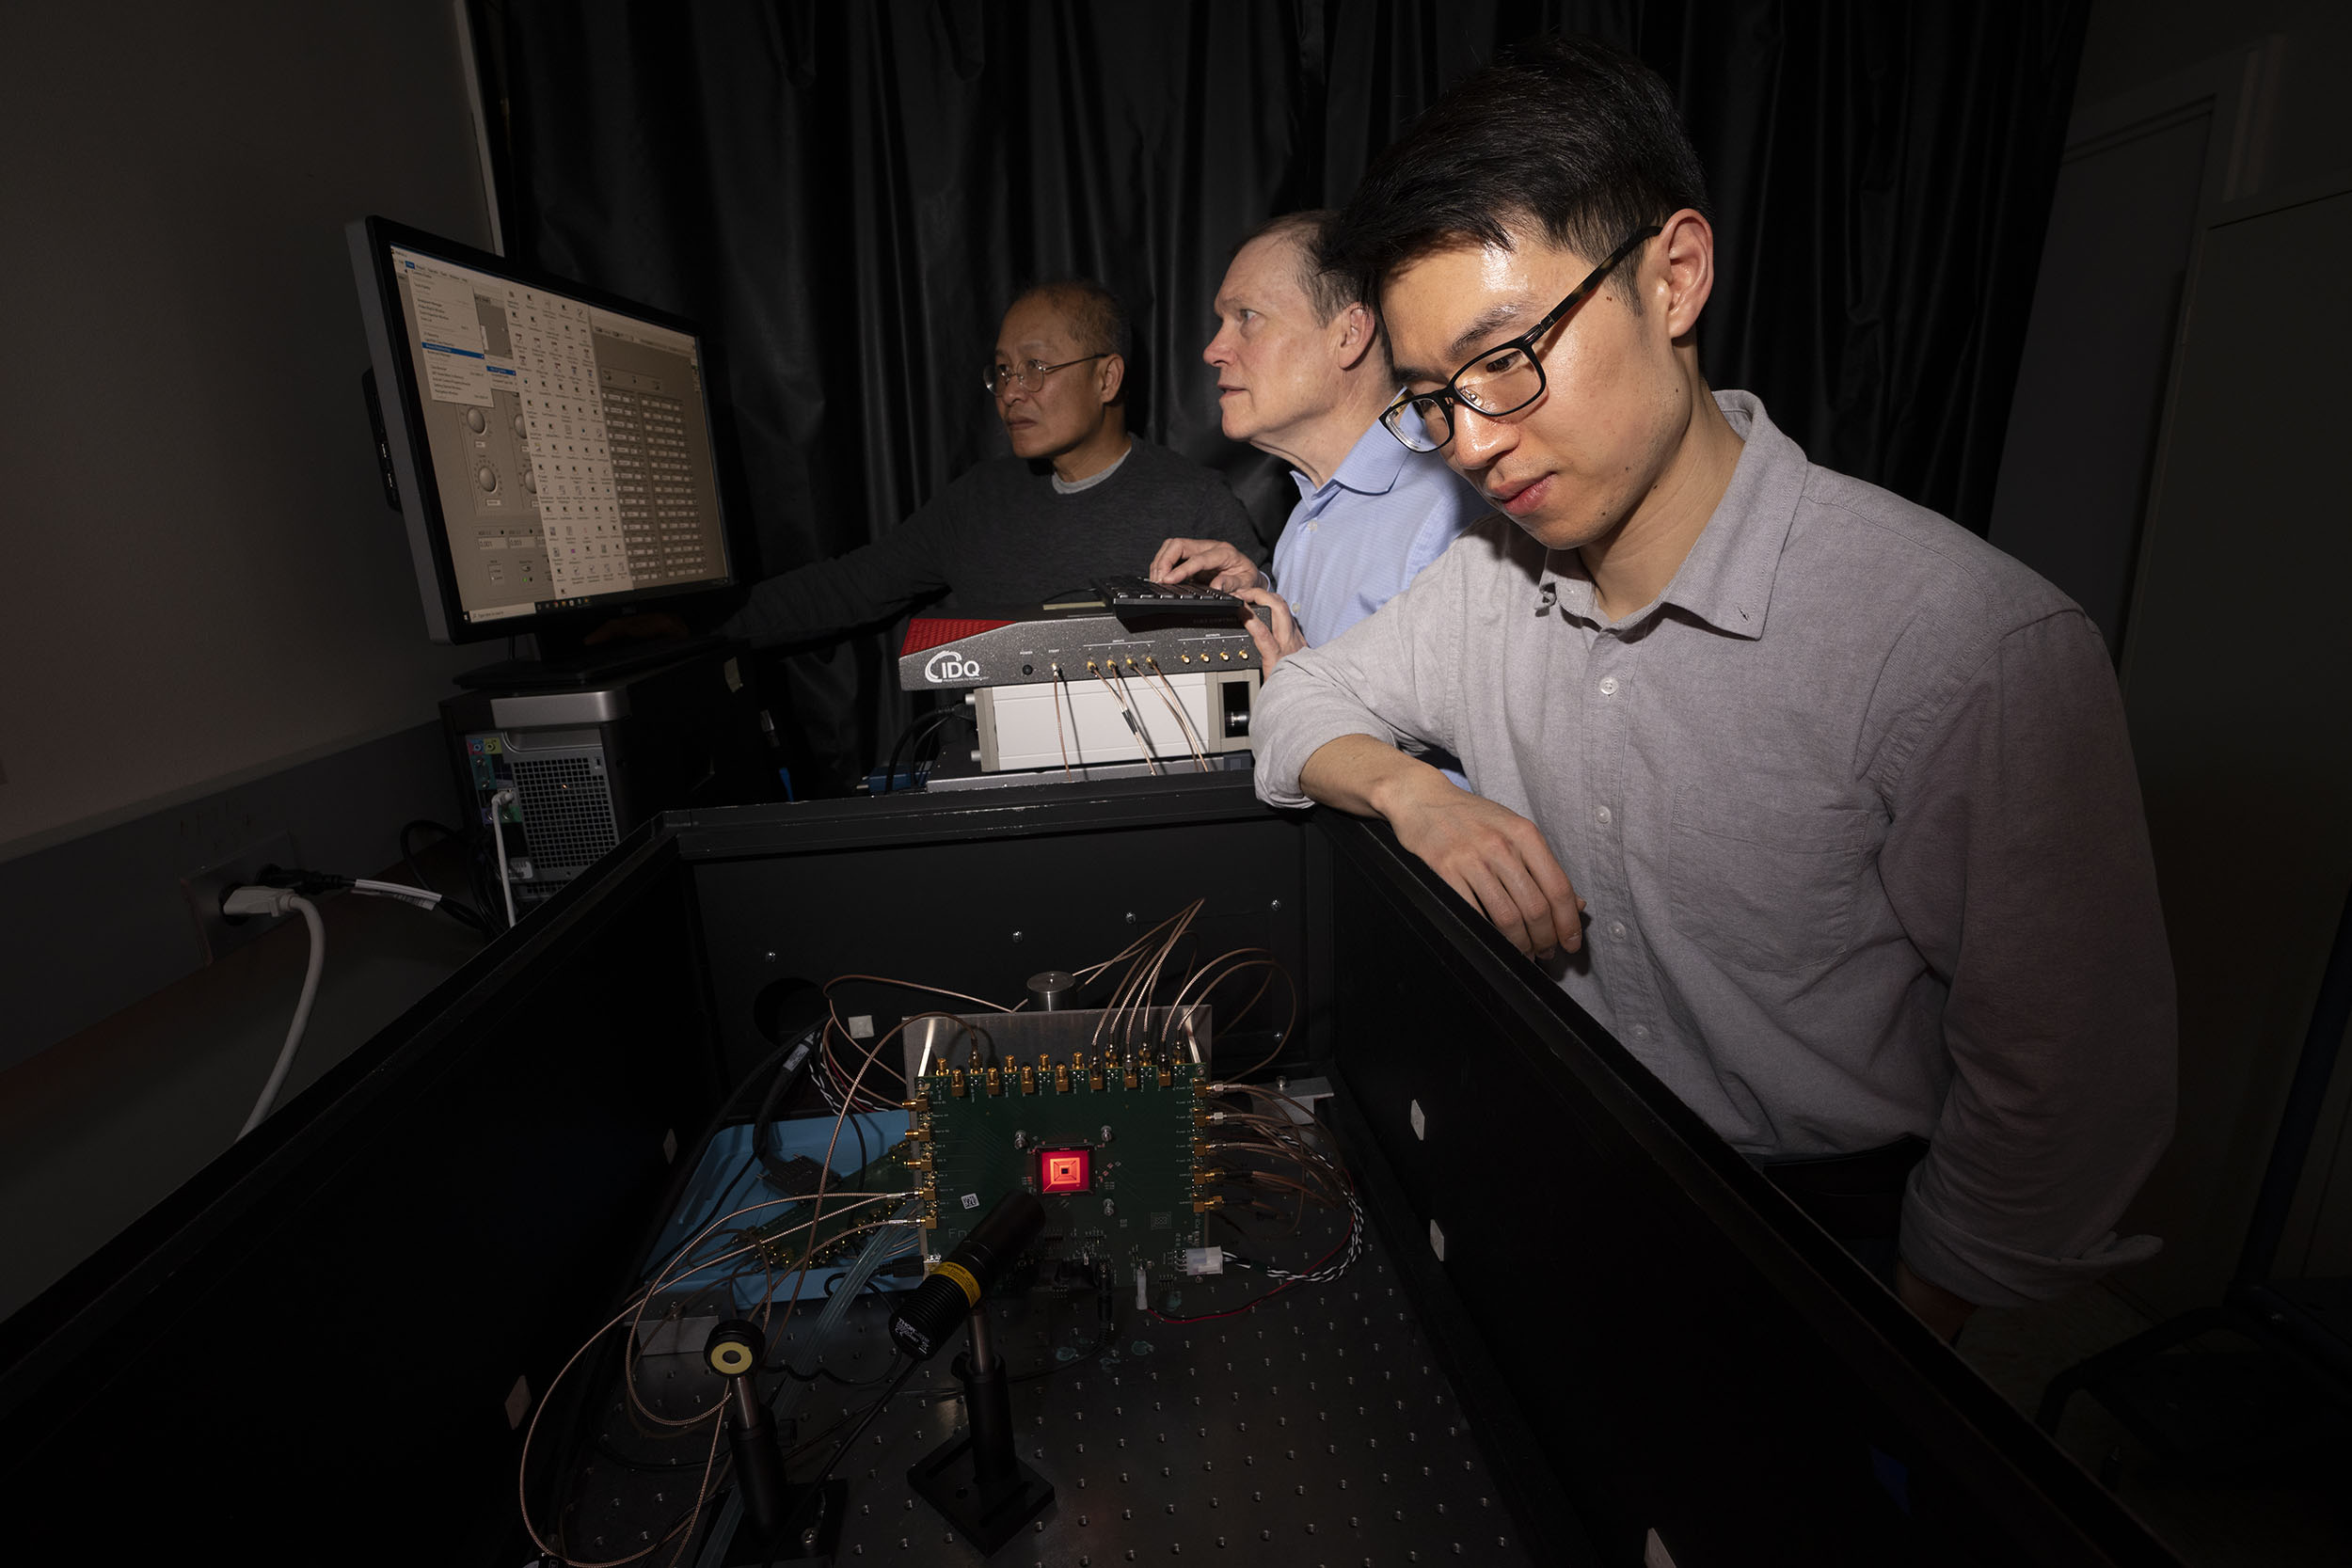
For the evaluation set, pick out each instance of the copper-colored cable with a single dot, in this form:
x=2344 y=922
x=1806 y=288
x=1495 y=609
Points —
x=1184 y=731
x=1201 y=745
x=1074 y=722
x=1142 y=737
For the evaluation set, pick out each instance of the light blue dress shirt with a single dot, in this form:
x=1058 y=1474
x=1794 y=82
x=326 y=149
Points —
x=1352 y=543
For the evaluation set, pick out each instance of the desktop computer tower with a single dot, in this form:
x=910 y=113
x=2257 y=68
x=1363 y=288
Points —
x=583 y=765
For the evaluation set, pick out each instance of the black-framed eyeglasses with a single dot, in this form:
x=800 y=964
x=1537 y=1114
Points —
x=1031 y=375
x=1502 y=380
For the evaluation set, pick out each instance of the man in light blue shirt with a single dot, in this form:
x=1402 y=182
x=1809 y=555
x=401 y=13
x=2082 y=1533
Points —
x=1302 y=373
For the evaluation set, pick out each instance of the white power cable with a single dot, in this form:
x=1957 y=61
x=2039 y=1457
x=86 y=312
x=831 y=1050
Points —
x=424 y=898
x=497 y=837
x=273 y=901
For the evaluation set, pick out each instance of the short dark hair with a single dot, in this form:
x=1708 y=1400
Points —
x=1579 y=139
x=1096 y=318
x=1329 y=291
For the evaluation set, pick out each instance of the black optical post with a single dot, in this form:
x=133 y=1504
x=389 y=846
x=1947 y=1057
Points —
x=975 y=1480
x=781 y=1523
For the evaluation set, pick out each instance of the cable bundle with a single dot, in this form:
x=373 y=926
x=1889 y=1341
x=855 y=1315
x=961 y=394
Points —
x=1273 y=1160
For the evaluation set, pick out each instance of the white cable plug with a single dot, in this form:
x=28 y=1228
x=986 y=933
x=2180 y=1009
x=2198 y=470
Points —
x=498 y=838
x=257 y=898
x=274 y=901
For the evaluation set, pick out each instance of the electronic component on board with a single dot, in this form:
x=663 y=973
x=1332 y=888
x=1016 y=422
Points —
x=1063 y=1170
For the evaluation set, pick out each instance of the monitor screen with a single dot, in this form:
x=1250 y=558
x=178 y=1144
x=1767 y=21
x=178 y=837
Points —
x=552 y=446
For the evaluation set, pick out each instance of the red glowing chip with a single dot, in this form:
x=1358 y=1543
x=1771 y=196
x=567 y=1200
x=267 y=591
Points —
x=1062 y=1170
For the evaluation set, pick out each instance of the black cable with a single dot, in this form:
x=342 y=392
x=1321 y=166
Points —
x=949 y=1392
x=701 y=1148
x=829 y=1375
x=654 y=1466
x=928 y=727
x=812 y=1036
x=863 y=1421
x=482 y=874
x=464 y=914
x=857 y=1125
x=890 y=768
x=925 y=725
x=784 y=1080
x=936 y=740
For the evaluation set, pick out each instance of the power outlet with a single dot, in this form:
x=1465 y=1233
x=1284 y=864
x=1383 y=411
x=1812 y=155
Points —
x=216 y=933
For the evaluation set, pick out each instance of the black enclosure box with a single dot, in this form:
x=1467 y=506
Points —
x=312 y=1351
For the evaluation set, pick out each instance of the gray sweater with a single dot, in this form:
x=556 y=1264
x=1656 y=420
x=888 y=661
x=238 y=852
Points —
x=1001 y=537
x=1854 y=812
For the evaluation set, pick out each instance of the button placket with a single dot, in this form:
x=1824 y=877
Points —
x=1630 y=984
x=1606 y=780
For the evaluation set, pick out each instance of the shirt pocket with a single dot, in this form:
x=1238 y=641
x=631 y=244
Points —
x=1766 y=888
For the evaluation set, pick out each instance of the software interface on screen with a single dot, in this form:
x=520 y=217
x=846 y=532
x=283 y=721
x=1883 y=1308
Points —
x=570 y=443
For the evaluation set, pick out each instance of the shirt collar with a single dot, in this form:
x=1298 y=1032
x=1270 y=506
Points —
x=1726 y=580
x=1370 y=468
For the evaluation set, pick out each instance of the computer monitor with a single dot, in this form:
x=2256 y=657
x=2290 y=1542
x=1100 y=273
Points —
x=549 y=445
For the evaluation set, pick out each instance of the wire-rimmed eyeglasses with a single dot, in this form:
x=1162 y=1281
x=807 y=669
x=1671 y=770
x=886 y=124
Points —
x=1031 y=375
x=1502 y=380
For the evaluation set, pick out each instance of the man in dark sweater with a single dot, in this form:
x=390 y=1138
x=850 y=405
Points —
x=1078 y=499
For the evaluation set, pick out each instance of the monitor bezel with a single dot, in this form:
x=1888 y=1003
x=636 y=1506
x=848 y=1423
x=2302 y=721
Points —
x=371 y=240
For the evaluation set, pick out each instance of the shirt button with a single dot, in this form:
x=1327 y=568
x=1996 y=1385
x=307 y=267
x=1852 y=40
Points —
x=1608 y=686
x=1641 y=1032
x=1601 y=815
x=1616 y=928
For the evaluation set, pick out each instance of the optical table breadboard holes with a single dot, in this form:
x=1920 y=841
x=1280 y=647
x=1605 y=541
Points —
x=1132 y=1118
x=1316 y=1428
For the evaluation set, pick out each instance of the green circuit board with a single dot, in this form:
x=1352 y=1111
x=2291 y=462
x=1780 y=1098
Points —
x=1123 y=1127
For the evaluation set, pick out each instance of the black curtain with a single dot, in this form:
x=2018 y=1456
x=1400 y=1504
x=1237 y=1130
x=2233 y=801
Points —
x=847 y=194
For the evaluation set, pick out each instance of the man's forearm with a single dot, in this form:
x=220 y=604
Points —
x=1365 y=777
x=1491 y=856
x=825 y=598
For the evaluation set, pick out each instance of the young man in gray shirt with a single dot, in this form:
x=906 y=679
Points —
x=1821 y=805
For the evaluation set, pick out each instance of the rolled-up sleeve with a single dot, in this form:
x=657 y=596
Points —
x=1390 y=675
x=2017 y=859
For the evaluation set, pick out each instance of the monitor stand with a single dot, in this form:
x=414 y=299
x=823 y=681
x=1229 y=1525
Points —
x=579 y=668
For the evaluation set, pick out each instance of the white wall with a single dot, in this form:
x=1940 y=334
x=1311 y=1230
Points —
x=204 y=583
